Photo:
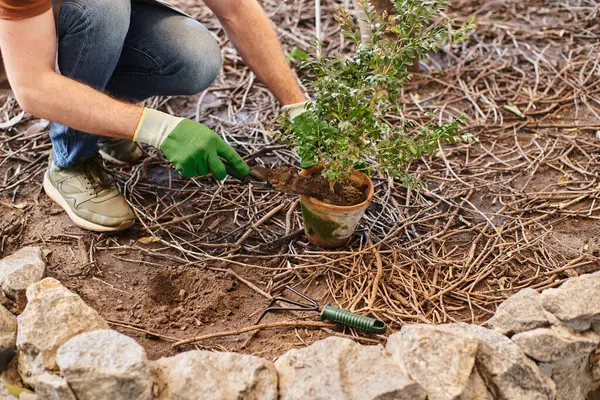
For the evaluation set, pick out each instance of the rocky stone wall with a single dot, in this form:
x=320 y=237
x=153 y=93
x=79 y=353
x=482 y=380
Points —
x=537 y=346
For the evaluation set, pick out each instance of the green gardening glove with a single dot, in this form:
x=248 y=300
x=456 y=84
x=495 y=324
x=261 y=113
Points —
x=294 y=111
x=193 y=148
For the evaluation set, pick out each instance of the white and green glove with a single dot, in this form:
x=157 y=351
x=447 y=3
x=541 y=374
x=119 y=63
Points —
x=294 y=111
x=193 y=148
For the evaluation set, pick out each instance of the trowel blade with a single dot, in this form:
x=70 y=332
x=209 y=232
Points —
x=260 y=173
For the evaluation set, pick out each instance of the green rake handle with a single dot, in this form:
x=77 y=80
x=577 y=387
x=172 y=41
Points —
x=334 y=314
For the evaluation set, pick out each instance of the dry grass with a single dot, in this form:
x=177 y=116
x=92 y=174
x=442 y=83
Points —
x=494 y=217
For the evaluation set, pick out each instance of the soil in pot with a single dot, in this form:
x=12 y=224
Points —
x=287 y=180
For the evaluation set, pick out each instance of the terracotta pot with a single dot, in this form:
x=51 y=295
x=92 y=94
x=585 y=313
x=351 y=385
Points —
x=328 y=225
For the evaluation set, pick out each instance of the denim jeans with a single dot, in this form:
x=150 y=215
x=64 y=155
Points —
x=131 y=50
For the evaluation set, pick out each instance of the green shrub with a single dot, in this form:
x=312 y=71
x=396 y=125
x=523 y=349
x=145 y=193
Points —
x=348 y=123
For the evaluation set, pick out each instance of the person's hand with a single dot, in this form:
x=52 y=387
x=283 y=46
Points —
x=294 y=111
x=193 y=148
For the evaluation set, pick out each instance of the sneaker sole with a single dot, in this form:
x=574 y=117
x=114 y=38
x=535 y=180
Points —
x=54 y=194
x=111 y=159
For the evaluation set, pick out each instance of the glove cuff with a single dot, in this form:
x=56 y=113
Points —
x=154 y=127
x=293 y=110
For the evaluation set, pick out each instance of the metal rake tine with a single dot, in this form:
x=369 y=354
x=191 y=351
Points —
x=308 y=307
x=280 y=308
x=305 y=297
x=312 y=306
x=267 y=309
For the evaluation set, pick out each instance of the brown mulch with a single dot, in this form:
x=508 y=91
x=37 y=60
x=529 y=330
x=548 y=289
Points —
x=518 y=209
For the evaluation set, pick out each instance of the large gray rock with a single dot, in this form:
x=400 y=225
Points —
x=595 y=365
x=575 y=303
x=572 y=378
x=9 y=304
x=218 y=376
x=5 y=394
x=20 y=270
x=8 y=337
x=508 y=373
x=10 y=377
x=340 y=369
x=476 y=388
x=557 y=343
x=521 y=312
x=53 y=315
x=3 y=299
x=441 y=361
x=105 y=365
x=595 y=326
x=52 y=387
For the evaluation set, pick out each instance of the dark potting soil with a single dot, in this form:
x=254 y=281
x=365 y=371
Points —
x=287 y=180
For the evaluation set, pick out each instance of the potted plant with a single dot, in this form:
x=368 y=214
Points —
x=348 y=124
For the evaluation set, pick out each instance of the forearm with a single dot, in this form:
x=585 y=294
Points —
x=29 y=54
x=63 y=100
x=252 y=33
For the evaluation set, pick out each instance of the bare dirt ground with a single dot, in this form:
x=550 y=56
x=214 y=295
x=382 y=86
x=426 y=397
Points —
x=519 y=209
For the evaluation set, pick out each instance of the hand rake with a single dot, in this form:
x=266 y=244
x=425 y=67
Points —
x=328 y=313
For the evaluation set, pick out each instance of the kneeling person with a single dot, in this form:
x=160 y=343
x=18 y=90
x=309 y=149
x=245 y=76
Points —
x=130 y=50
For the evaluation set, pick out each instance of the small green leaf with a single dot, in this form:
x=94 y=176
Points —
x=514 y=110
x=16 y=390
x=297 y=54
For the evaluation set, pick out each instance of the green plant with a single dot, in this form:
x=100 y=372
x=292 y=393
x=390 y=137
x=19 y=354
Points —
x=348 y=123
x=295 y=55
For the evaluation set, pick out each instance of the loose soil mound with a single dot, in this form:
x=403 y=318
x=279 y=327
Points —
x=182 y=298
x=287 y=180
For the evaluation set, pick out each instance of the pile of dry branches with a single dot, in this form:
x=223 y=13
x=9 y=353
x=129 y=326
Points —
x=493 y=219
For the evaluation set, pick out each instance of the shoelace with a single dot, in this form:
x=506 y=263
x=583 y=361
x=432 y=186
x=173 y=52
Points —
x=94 y=171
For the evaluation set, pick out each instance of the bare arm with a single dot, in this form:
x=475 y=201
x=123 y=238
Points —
x=252 y=33
x=29 y=53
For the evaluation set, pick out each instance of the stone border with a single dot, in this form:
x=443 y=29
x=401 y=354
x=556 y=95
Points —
x=536 y=346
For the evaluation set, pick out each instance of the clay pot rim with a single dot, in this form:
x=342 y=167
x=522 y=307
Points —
x=319 y=203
